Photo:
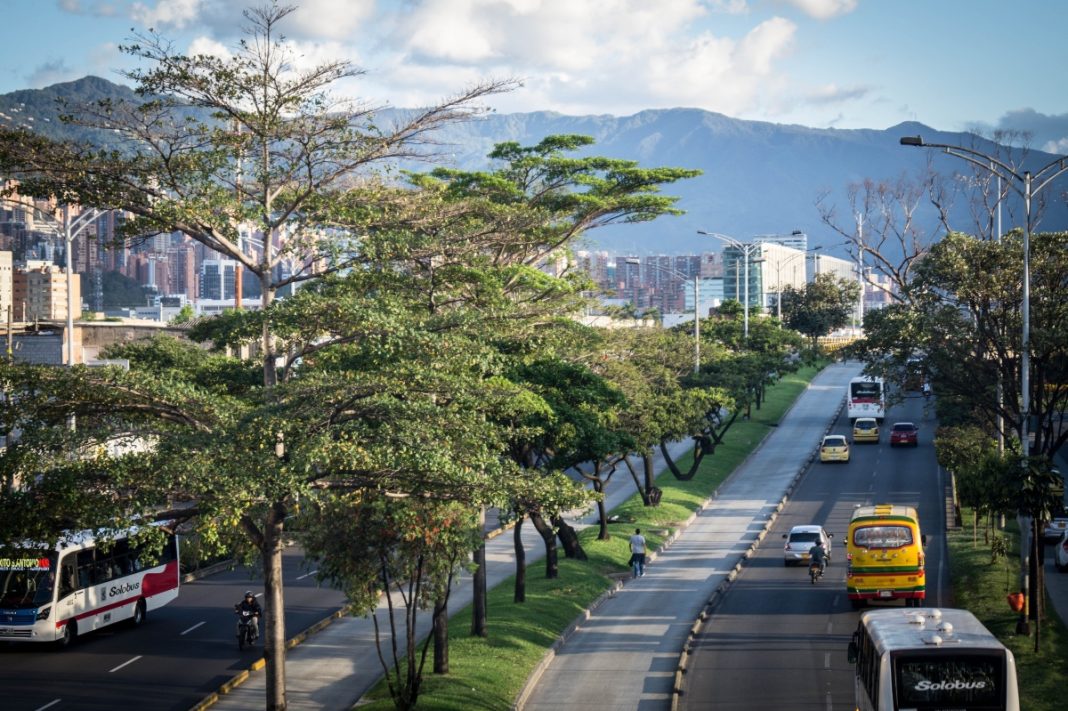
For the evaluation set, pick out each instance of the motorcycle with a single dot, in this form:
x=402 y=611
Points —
x=815 y=571
x=246 y=627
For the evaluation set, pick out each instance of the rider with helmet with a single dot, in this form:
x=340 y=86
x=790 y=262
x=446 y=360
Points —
x=252 y=606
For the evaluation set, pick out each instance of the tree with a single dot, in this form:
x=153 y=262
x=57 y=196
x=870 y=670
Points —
x=824 y=304
x=221 y=147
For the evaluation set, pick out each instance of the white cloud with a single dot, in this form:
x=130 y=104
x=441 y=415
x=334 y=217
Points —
x=52 y=72
x=98 y=8
x=834 y=94
x=824 y=9
x=209 y=47
x=329 y=19
x=729 y=7
x=1057 y=147
x=167 y=13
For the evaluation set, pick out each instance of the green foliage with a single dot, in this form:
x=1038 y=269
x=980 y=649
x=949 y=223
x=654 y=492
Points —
x=979 y=582
x=824 y=304
x=120 y=291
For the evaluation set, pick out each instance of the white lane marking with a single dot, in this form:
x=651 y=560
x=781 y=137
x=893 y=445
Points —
x=830 y=705
x=259 y=594
x=125 y=664
x=830 y=627
x=308 y=575
x=827 y=660
x=50 y=704
x=834 y=603
x=193 y=628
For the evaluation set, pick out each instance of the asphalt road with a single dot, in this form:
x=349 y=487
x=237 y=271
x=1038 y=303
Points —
x=181 y=653
x=777 y=641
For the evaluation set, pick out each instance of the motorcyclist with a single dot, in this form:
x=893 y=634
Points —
x=818 y=556
x=251 y=605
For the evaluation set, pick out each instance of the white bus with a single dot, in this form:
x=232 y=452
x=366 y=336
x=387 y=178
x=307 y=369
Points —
x=53 y=595
x=929 y=658
x=867 y=398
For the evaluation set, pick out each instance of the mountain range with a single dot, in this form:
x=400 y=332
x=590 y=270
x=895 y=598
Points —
x=757 y=177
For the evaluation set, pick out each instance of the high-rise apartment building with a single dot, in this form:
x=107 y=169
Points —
x=40 y=292
x=218 y=279
x=6 y=287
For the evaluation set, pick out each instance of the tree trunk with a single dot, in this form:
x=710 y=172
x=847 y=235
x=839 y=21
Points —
x=520 y=562
x=643 y=491
x=650 y=475
x=602 y=512
x=548 y=536
x=568 y=538
x=275 y=627
x=479 y=627
x=441 y=635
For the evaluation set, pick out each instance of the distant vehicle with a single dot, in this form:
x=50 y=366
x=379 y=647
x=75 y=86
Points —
x=834 y=448
x=903 y=433
x=1060 y=553
x=930 y=659
x=867 y=398
x=1056 y=527
x=55 y=594
x=884 y=552
x=866 y=429
x=799 y=542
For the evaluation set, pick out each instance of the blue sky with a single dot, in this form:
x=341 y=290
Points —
x=951 y=64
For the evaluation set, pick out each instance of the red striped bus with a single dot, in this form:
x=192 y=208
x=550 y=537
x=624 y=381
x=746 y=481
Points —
x=82 y=584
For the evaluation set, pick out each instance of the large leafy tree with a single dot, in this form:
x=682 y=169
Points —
x=822 y=305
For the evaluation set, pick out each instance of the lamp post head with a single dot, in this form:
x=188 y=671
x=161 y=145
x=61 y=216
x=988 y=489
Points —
x=912 y=141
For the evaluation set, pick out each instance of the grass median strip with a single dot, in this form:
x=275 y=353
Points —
x=489 y=673
x=980 y=583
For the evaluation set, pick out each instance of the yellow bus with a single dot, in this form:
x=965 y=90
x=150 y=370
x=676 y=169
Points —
x=884 y=556
x=930 y=658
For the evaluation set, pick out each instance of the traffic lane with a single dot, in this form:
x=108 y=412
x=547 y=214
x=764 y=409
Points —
x=772 y=617
x=184 y=650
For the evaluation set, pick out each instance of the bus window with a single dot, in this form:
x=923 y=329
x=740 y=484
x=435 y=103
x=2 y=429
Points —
x=67 y=575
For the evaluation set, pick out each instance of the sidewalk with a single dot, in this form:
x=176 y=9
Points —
x=332 y=669
x=625 y=656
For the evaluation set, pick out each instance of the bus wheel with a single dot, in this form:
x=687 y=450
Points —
x=139 y=614
x=70 y=631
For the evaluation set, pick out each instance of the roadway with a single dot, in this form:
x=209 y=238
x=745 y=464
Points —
x=183 y=652
x=777 y=641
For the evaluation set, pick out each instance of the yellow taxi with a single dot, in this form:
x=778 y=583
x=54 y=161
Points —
x=866 y=429
x=834 y=448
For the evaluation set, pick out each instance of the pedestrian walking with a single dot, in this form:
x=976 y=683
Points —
x=637 y=553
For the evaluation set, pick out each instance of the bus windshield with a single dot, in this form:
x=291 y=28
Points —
x=973 y=681
x=26 y=580
x=865 y=390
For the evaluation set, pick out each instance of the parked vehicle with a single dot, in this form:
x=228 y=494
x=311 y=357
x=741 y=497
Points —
x=799 y=542
x=866 y=429
x=1060 y=553
x=1055 y=527
x=903 y=433
x=834 y=448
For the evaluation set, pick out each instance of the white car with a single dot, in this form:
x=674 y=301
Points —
x=799 y=542
x=1060 y=552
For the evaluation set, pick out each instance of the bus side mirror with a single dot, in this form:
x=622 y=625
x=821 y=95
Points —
x=851 y=653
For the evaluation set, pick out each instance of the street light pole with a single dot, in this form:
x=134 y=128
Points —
x=1024 y=185
x=746 y=248
x=71 y=229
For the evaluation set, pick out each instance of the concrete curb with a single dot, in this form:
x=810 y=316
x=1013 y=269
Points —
x=713 y=601
x=209 y=570
x=242 y=676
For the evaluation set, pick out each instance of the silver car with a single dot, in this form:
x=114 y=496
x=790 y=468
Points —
x=799 y=542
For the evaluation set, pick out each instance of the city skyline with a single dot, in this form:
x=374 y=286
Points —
x=819 y=63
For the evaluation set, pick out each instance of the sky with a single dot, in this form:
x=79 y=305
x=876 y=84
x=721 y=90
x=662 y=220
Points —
x=954 y=65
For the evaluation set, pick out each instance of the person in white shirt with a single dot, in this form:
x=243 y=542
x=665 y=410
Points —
x=637 y=553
